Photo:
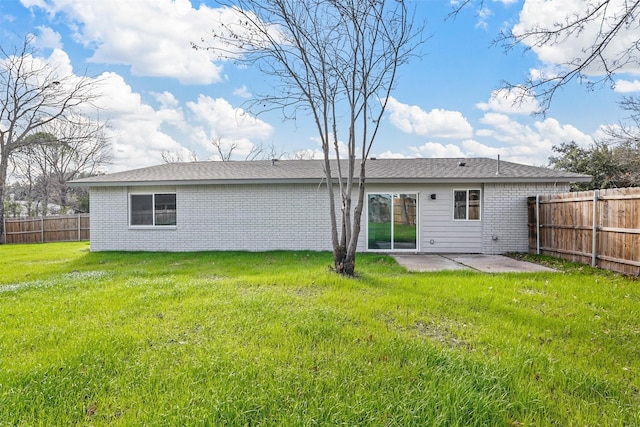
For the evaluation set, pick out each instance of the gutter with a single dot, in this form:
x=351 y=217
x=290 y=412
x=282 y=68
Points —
x=267 y=181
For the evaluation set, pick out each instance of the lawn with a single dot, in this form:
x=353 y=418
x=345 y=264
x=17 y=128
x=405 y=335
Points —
x=276 y=339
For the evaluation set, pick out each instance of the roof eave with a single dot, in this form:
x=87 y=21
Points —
x=451 y=180
x=511 y=180
x=164 y=183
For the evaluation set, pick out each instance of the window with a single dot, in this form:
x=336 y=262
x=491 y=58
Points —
x=152 y=210
x=466 y=205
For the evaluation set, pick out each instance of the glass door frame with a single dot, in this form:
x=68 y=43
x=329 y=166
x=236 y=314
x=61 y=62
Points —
x=392 y=243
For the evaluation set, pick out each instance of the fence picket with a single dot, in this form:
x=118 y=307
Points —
x=599 y=227
x=62 y=228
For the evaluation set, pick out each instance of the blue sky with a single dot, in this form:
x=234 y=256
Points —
x=160 y=95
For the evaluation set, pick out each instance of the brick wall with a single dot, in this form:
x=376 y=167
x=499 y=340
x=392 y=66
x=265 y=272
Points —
x=504 y=215
x=220 y=217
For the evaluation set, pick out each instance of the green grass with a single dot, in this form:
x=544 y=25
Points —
x=276 y=339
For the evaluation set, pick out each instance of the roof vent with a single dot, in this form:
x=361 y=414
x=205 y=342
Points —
x=462 y=163
x=498 y=165
x=273 y=162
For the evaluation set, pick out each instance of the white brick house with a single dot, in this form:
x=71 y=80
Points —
x=412 y=205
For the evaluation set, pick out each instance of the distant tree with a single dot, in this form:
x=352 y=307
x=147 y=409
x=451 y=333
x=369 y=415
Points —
x=302 y=155
x=12 y=207
x=337 y=61
x=610 y=166
x=34 y=94
x=61 y=152
x=179 y=156
x=224 y=151
x=79 y=196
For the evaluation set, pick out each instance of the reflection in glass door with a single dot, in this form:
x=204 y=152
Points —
x=392 y=221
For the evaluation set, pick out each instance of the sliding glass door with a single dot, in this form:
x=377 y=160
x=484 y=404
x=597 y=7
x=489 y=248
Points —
x=392 y=221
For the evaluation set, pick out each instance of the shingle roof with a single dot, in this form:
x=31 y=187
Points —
x=300 y=171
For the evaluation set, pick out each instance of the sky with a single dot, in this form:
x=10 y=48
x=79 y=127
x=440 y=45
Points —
x=160 y=95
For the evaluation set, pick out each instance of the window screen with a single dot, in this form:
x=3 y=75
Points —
x=153 y=209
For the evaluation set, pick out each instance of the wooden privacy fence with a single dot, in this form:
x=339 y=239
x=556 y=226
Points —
x=600 y=227
x=63 y=228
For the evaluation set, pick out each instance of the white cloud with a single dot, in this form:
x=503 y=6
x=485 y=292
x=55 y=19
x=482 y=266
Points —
x=343 y=149
x=166 y=99
x=483 y=14
x=523 y=143
x=135 y=128
x=520 y=140
x=552 y=129
x=57 y=67
x=516 y=100
x=475 y=149
x=61 y=62
x=152 y=36
x=48 y=38
x=242 y=92
x=140 y=133
x=228 y=122
x=603 y=132
x=625 y=86
x=433 y=149
x=391 y=155
x=435 y=123
x=549 y=13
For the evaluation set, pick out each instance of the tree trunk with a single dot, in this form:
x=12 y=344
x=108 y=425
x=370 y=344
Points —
x=4 y=167
x=344 y=263
x=344 y=256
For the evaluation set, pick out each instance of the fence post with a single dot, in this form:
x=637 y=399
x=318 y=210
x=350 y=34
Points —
x=537 y=224
x=594 y=251
x=41 y=229
x=78 y=227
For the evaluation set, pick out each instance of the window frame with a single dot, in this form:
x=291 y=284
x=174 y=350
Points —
x=467 y=204
x=392 y=238
x=154 y=212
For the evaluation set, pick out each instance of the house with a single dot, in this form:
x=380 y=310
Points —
x=475 y=205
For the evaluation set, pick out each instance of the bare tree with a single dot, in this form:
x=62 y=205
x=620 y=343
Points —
x=179 y=156
x=225 y=150
x=302 y=155
x=629 y=131
x=606 y=39
x=624 y=138
x=337 y=61
x=63 y=151
x=25 y=174
x=34 y=170
x=33 y=94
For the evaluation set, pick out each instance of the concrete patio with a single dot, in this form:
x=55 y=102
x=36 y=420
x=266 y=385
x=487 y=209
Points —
x=478 y=262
